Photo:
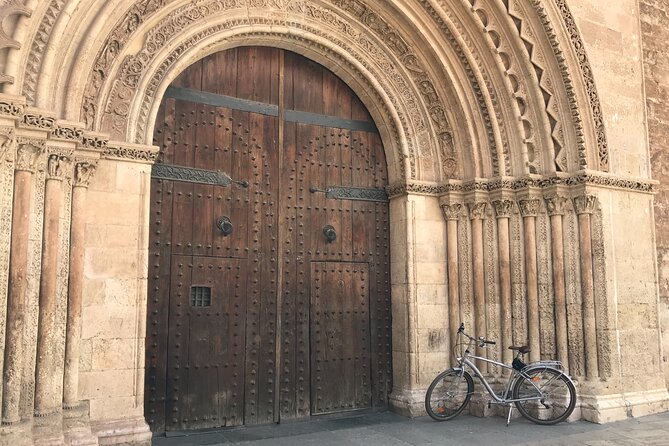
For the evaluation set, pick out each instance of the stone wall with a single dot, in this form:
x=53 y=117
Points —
x=655 y=34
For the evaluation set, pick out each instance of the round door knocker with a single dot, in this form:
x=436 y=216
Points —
x=330 y=233
x=225 y=225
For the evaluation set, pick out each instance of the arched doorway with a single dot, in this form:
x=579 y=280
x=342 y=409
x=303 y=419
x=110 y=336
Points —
x=269 y=293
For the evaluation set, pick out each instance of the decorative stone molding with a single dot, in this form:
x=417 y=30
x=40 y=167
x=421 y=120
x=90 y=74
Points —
x=556 y=205
x=586 y=73
x=503 y=208
x=412 y=121
x=131 y=152
x=28 y=152
x=539 y=183
x=6 y=10
x=585 y=204
x=119 y=37
x=36 y=120
x=94 y=141
x=476 y=89
x=39 y=43
x=477 y=210
x=451 y=211
x=67 y=132
x=83 y=172
x=529 y=207
x=11 y=106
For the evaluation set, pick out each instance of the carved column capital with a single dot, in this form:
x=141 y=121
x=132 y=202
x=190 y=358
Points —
x=57 y=165
x=28 y=153
x=503 y=208
x=585 y=204
x=83 y=172
x=477 y=210
x=451 y=211
x=7 y=141
x=556 y=205
x=529 y=207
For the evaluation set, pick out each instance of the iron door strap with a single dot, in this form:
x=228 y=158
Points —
x=353 y=193
x=193 y=175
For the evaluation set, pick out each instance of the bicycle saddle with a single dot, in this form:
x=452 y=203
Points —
x=522 y=349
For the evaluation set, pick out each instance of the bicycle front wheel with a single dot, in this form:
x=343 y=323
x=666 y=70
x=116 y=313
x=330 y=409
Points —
x=448 y=394
x=546 y=396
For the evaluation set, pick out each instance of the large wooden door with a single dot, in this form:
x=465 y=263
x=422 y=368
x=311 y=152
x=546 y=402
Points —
x=269 y=292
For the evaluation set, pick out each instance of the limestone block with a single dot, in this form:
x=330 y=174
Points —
x=110 y=262
x=112 y=235
x=130 y=177
x=433 y=340
x=113 y=354
x=85 y=355
x=108 y=321
x=105 y=208
x=432 y=316
x=106 y=383
x=429 y=294
x=431 y=272
x=94 y=292
x=121 y=292
x=104 y=179
x=110 y=408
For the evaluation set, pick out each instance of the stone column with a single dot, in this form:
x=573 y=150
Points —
x=46 y=399
x=556 y=206
x=451 y=214
x=585 y=206
x=503 y=212
x=529 y=209
x=28 y=153
x=83 y=171
x=476 y=213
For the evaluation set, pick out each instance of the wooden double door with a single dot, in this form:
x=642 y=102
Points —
x=268 y=287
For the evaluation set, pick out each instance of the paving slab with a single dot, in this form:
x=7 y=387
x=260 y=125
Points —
x=390 y=429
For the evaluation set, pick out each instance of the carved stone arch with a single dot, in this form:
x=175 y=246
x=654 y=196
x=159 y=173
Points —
x=348 y=49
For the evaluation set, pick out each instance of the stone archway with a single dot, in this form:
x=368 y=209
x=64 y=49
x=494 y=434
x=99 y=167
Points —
x=502 y=213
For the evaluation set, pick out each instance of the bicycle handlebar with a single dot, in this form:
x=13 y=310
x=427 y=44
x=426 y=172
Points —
x=481 y=340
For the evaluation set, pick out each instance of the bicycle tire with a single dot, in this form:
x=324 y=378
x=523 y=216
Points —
x=437 y=398
x=557 y=405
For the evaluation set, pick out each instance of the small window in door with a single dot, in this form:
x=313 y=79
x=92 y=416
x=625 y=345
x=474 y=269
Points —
x=200 y=296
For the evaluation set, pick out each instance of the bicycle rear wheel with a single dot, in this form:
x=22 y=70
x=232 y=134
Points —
x=549 y=396
x=448 y=394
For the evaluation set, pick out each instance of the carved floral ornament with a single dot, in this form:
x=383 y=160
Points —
x=423 y=115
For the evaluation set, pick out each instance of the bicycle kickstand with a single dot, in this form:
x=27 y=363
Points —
x=508 y=417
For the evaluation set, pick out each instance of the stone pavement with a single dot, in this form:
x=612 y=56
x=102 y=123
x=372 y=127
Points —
x=390 y=429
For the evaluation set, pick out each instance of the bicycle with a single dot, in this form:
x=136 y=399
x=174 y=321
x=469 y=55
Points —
x=541 y=391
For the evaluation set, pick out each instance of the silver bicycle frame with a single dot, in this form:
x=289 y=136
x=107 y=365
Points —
x=464 y=361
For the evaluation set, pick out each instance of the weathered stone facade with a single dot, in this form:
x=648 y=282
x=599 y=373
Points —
x=654 y=21
x=522 y=202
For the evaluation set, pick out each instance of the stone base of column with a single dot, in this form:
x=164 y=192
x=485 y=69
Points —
x=48 y=430
x=607 y=408
x=16 y=434
x=77 y=427
x=409 y=403
x=128 y=431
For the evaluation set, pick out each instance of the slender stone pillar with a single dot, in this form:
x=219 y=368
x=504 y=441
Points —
x=556 y=206
x=451 y=214
x=585 y=206
x=529 y=209
x=476 y=215
x=27 y=156
x=82 y=174
x=503 y=212
x=47 y=400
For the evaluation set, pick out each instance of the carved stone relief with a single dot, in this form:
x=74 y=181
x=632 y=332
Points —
x=10 y=9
